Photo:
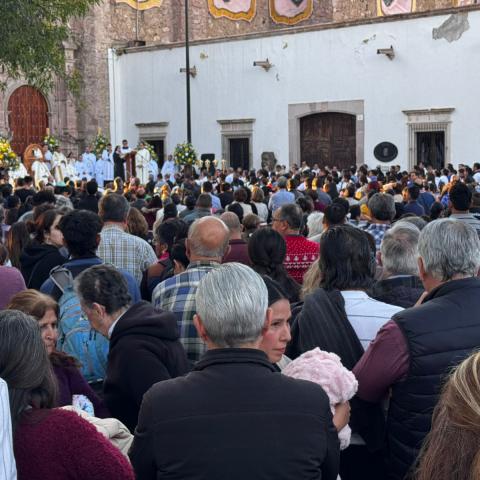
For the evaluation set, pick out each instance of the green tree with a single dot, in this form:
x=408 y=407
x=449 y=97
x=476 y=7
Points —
x=31 y=39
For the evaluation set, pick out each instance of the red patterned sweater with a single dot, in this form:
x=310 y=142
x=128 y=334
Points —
x=301 y=253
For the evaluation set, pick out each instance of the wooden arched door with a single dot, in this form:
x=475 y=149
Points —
x=28 y=117
x=329 y=139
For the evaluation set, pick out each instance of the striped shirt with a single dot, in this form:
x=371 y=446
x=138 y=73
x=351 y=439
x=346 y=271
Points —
x=469 y=219
x=8 y=470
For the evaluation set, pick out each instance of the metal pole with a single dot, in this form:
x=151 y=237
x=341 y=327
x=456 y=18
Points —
x=187 y=58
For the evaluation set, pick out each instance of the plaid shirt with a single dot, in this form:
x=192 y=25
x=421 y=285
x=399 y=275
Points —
x=177 y=295
x=377 y=230
x=125 y=251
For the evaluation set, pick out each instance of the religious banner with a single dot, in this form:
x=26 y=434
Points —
x=233 y=9
x=290 y=12
x=141 y=4
x=394 y=7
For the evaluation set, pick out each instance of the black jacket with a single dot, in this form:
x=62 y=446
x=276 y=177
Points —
x=440 y=334
x=403 y=291
x=36 y=262
x=88 y=202
x=144 y=350
x=234 y=417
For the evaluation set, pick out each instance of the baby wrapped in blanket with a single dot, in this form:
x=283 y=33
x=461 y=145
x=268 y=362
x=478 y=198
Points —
x=326 y=370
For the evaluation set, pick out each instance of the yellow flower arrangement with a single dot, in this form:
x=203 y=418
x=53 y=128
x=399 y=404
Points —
x=8 y=158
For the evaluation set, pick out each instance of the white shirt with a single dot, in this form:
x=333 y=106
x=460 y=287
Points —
x=112 y=326
x=142 y=160
x=476 y=177
x=8 y=469
x=367 y=315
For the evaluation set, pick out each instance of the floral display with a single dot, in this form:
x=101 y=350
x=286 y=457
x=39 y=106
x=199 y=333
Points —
x=8 y=158
x=100 y=143
x=185 y=154
x=51 y=142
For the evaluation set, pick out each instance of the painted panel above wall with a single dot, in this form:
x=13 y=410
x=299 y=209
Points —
x=141 y=4
x=394 y=7
x=290 y=12
x=233 y=9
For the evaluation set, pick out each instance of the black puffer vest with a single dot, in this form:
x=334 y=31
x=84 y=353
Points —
x=440 y=333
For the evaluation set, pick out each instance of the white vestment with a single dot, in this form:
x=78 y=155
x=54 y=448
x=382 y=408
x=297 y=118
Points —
x=40 y=172
x=108 y=166
x=59 y=166
x=142 y=159
x=168 y=167
x=90 y=160
x=19 y=172
x=48 y=159
x=82 y=170
x=153 y=169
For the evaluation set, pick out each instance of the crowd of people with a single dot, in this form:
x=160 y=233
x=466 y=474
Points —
x=145 y=325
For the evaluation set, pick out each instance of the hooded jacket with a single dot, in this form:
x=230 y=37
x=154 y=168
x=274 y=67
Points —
x=37 y=260
x=144 y=350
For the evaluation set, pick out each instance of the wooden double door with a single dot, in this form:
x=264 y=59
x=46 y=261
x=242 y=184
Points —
x=27 y=117
x=328 y=139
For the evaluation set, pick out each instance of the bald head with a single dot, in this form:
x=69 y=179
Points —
x=207 y=239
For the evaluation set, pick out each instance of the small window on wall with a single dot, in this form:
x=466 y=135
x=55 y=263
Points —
x=210 y=157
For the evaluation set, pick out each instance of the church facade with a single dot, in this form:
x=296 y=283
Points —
x=321 y=81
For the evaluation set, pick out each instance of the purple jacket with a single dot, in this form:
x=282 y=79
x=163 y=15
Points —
x=71 y=382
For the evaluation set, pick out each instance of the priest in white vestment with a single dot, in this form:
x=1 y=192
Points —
x=107 y=157
x=89 y=160
x=142 y=160
x=169 y=167
x=59 y=165
x=41 y=173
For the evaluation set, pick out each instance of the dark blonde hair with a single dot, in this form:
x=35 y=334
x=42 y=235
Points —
x=33 y=303
x=450 y=451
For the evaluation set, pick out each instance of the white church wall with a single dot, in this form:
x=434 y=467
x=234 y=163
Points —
x=319 y=66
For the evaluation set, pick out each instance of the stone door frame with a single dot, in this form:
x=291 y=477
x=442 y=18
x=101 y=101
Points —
x=236 y=128
x=154 y=131
x=428 y=120
x=298 y=110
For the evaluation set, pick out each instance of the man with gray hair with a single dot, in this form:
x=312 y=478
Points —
x=413 y=352
x=207 y=244
x=234 y=416
x=400 y=284
x=238 y=246
x=382 y=212
x=117 y=246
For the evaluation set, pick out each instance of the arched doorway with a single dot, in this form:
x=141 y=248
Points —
x=27 y=117
x=328 y=139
